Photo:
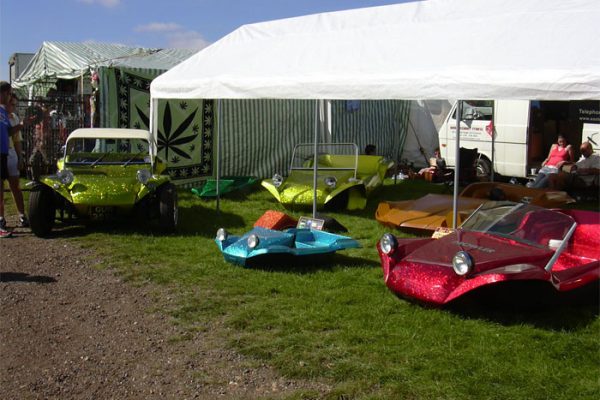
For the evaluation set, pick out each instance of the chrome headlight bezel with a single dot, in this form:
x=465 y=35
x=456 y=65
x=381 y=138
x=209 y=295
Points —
x=462 y=263
x=388 y=243
x=277 y=180
x=143 y=176
x=221 y=235
x=65 y=176
x=252 y=241
x=330 y=182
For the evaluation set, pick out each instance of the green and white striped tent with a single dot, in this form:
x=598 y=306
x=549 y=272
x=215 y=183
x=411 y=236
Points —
x=70 y=60
x=258 y=136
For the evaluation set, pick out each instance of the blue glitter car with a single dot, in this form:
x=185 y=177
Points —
x=303 y=240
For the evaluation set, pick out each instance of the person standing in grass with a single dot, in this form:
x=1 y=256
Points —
x=5 y=94
x=15 y=160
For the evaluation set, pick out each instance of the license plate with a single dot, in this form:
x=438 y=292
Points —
x=100 y=212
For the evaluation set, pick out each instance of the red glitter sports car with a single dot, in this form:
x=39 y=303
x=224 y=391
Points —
x=500 y=241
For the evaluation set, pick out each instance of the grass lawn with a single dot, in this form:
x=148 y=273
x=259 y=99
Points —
x=335 y=320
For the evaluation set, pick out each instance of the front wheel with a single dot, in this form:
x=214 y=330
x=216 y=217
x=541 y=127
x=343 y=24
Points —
x=42 y=210
x=169 y=212
x=484 y=168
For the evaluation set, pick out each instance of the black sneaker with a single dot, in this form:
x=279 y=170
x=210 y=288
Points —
x=23 y=222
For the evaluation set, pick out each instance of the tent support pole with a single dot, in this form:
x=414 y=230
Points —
x=152 y=128
x=82 y=101
x=493 y=140
x=218 y=167
x=318 y=105
x=456 y=164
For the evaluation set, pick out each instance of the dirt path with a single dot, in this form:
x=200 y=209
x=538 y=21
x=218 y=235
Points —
x=70 y=331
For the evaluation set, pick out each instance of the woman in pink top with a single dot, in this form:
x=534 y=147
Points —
x=560 y=153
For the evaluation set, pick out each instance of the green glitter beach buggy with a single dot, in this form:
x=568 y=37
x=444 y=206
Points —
x=104 y=173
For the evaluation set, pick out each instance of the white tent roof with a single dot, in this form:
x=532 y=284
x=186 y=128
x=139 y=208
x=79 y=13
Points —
x=436 y=49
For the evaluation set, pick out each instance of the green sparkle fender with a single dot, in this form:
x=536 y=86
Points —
x=298 y=190
x=268 y=184
x=105 y=186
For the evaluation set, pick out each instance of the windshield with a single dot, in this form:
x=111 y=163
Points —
x=331 y=156
x=521 y=222
x=92 y=151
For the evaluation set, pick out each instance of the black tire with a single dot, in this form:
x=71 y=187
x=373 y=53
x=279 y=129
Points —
x=42 y=210
x=169 y=212
x=484 y=168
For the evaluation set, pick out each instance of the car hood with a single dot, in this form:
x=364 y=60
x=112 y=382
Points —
x=298 y=187
x=98 y=188
x=428 y=212
x=426 y=274
x=488 y=251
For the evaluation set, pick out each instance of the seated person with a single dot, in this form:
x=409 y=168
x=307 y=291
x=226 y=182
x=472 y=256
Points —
x=436 y=164
x=560 y=154
x=583 y=174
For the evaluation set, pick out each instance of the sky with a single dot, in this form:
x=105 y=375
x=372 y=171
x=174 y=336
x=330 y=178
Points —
x=26 y=24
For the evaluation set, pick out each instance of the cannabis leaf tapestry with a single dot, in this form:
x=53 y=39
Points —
x=185 y=127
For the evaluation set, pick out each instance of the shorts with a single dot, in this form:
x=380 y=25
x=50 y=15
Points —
x=12 y=163
x=3 y=167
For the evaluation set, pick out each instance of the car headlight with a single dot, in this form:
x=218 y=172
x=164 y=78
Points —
x=277 y=180
x=462 y=263
x=222 y=235
x=65 y=176
x=331 y=182
x=143 y=176
x=388 y=243
x=253 y=241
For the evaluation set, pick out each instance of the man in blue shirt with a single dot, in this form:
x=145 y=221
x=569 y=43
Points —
x=5 y=93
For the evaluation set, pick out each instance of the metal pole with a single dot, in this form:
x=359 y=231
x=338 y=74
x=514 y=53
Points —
x=218 y=167
x=456 y=164
x=493 y=140
x=318 y=104
x=82 y=118
x=153 y=120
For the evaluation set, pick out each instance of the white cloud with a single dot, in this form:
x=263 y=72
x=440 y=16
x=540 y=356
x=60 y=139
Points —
x=186 y=40
x=175 y=35
x=158 y=27
x=104 y=3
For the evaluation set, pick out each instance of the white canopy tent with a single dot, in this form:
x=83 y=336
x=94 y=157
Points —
x=435 y=49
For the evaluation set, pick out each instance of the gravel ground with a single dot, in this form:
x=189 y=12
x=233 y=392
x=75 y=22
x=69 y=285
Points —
x=70 y=331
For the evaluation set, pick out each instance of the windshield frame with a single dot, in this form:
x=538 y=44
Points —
x=103 y=147
x=523 y=223
x=323 y=149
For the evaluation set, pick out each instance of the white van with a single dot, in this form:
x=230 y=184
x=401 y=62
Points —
x=524 y=131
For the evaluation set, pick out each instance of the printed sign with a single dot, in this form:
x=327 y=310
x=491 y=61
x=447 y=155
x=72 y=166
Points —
x=310 y=223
